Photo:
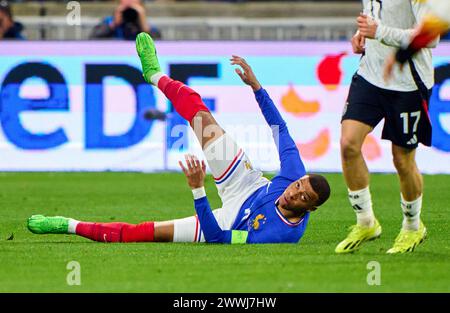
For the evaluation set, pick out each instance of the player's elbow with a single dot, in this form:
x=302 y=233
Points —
x=350 y=148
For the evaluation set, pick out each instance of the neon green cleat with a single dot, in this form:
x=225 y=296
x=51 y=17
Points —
x=146 y=50
x=40 y=224
x=408 y=240
x=357 y=236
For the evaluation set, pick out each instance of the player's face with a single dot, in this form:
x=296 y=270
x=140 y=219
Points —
x=299 y=195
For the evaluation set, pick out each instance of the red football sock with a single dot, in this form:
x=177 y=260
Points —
x=185 y=100
x=117 y=232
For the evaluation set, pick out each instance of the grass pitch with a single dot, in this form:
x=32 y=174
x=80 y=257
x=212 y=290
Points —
x=37 y=263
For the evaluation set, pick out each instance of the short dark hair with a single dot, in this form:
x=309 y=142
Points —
x=320 y=186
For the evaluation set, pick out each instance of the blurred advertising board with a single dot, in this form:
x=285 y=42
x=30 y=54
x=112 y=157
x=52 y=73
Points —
x=75 y=106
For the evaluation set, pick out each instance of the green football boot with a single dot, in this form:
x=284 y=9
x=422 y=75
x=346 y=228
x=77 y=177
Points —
x=40 y=224
x=357 y=236
x=146 y=50
x=408 y=240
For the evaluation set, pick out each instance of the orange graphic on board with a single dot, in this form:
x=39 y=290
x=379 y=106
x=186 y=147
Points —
x=329 y=71
x=293 y=103
x=371 y=149
x=316 y=147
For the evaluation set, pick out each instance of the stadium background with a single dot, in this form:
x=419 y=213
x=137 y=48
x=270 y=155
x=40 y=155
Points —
x=99 y=125
x=71 y=118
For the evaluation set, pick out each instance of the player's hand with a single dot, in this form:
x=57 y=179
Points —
x=194 y=170
x=358 y=43
x=367 y=26
x=247 y=75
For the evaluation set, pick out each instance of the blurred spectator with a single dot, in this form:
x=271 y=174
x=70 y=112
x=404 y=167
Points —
x=128 y=21
x=8 y=28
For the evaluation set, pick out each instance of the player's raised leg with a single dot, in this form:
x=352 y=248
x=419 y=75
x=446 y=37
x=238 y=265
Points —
x=186 y=101
x=413 y=231
x=222 y=153
x=356 y=176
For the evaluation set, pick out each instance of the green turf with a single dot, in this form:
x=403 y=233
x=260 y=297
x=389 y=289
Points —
x=33 y=263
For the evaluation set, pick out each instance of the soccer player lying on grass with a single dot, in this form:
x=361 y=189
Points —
x=433 y=25
x=255 y=210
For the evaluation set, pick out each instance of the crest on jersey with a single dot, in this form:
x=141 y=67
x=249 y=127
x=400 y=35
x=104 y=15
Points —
x=259 y=220
x=248 y=165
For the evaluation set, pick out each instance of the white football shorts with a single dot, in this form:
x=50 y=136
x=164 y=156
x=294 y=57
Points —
x=235 y=179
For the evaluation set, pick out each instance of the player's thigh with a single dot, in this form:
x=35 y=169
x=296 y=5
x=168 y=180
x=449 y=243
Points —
x=362 y=112
x=188 y=229
x=231 y=168
x=353 y=134
x=234 y=175
x=407 y=122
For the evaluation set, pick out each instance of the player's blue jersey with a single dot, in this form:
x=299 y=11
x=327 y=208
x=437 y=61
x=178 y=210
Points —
x=259 y=220
x=262 y=219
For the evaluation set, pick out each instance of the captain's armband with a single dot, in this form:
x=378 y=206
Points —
x=239 y=236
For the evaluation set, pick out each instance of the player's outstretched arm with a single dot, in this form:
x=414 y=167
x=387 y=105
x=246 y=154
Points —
x=291 y=165
x=268 y=108
x=195 y=172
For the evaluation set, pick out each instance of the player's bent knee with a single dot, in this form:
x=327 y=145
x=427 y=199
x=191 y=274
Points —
x=349 y=148
x=404 y=160
x=404 y=164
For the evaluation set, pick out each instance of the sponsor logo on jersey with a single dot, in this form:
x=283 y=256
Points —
x=246 y=214
x=412 y=141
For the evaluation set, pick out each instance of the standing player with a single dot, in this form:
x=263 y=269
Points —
x=255 y=210
x=402 y=103
x=434 y=24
